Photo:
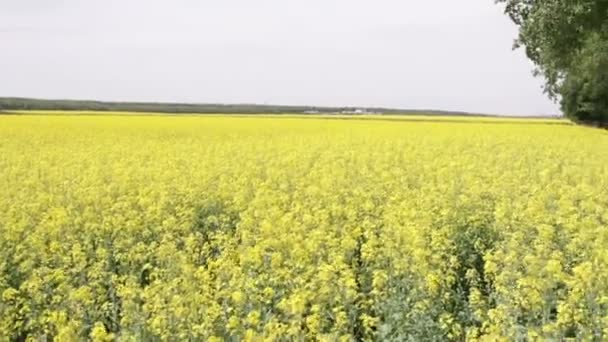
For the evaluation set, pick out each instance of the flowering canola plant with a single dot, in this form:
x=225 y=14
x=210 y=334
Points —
x=169 y=228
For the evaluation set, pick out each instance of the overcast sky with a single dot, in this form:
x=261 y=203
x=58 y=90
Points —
x=439 y=54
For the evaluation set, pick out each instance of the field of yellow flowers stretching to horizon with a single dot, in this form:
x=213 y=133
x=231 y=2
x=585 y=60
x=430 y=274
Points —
x=192 y=228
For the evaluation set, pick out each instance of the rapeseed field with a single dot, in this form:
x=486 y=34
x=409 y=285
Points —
x=169 y=228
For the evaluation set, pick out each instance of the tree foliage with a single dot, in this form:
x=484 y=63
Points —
x=566 y=40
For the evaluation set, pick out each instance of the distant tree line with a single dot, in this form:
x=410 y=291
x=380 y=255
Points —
x=568 y=42
x=17 y=103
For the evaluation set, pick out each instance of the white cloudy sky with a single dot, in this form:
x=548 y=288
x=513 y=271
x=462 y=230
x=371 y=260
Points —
x=440 y=54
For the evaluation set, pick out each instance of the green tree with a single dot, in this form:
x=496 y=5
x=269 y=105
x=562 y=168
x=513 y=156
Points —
x=567 y=41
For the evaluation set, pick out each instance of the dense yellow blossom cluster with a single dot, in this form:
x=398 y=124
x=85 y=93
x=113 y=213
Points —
x=234 y=228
